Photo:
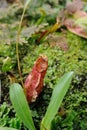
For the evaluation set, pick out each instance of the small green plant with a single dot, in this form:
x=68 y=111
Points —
x=22 y=108
x=8 y=117
x=20 y=103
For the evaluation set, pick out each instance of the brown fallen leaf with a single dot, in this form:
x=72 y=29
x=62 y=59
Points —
x=77 y=24
x=74 y=18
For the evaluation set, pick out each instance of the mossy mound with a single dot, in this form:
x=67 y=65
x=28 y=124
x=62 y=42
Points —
x=60 y=62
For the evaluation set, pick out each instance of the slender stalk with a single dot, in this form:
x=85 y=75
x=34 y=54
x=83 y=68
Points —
x=17 y=41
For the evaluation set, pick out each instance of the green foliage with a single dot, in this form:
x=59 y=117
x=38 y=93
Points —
x=7 y=64
x=59 y=62
x=6 y=128
x=75 y=103
x=57 y=96
x=8 y=117
x=75 y=58
x=20 y=104
x=7 y=57
x=64 y=123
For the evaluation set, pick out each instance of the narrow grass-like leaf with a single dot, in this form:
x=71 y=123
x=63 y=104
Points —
x=20 y=104
x=56 y=99
x=27 y=3
x=7 y=128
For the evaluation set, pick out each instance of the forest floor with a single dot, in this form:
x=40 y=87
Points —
x=65 y=51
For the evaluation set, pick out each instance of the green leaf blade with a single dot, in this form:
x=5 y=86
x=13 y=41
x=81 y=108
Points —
x=56 y=99
x=20 y=104
x=7 y=128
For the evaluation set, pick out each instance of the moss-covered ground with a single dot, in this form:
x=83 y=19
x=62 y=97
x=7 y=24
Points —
x=65 y=51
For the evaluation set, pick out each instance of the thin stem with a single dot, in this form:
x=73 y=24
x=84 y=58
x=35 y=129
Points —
x=17 y=41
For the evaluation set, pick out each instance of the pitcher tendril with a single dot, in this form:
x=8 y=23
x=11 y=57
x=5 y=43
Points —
x=17 y=41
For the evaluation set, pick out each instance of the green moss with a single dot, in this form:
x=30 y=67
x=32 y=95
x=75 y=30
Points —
x=74 y=58
x=60 y=62
x=8 y=117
